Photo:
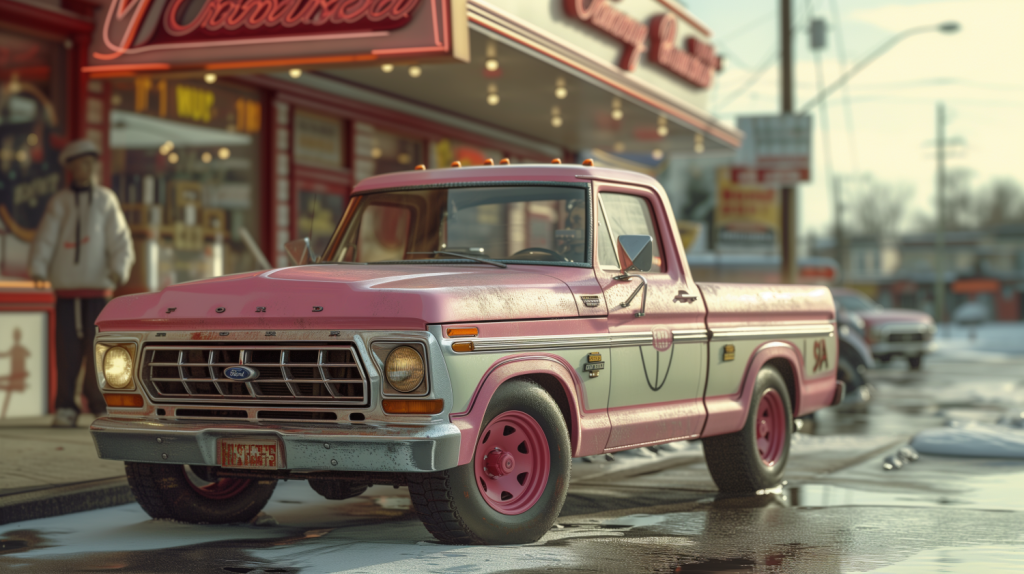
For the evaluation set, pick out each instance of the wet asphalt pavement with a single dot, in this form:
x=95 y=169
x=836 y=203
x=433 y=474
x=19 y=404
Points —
x=838 y=512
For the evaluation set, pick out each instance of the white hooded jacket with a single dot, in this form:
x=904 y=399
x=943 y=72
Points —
x=98 y=255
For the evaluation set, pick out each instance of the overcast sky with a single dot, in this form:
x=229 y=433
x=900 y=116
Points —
x=978 y=73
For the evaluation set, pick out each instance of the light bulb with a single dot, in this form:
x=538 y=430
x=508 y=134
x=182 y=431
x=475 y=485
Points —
x=173 y=157
x=224 y=153
x=210 y=78
x=662 y=131
x=491 y=65
x=493 y=99
x=387 y=68
x=617 y=114
x=657 y=154
x=561 y=92
x=207 y=157
x=295 y=73
x=415 y=71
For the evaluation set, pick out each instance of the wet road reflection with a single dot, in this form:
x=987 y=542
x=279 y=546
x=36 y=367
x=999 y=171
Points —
x=839 y=512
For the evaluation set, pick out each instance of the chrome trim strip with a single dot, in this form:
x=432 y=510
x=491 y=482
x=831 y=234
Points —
x=774 y=332
x=561 y=342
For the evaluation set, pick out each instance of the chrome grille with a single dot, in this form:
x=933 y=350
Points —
x=286 y=374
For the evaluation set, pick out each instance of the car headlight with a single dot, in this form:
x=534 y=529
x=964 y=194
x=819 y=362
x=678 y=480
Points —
x=117 y=368
x=404 y=369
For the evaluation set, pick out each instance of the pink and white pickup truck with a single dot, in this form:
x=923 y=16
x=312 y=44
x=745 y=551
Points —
x=466 y=332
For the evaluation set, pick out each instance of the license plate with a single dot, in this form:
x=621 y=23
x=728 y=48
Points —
x=247 y=453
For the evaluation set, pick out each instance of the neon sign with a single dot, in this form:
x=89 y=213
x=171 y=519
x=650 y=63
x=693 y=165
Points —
x=695 y=64
x=166 y=34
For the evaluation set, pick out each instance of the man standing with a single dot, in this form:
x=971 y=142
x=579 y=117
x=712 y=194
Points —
x=84 y=247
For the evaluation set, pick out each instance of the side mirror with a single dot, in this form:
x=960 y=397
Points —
x=635 y=253
x=299 y=251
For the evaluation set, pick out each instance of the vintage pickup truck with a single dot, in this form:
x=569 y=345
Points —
x=466 y=332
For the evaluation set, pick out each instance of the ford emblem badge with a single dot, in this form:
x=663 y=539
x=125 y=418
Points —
x=241 y=373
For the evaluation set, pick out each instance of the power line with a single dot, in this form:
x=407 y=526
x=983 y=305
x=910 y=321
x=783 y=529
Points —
x=847 y=106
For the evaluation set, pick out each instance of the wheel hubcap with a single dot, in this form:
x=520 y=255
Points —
x=771 y=427
x=511 y=463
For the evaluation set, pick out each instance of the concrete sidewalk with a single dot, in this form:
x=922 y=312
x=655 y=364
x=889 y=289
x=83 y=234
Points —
x=46 y=471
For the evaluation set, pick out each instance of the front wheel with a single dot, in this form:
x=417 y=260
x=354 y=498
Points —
x=754 y=458
x=176 y=491
x=514 y=488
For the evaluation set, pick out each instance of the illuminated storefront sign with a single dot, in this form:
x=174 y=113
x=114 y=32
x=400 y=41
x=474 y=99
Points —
x=154 y=35
x=695 y=63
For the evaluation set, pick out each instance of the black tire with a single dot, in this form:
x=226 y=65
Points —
x=915 y=362
x=450 y=503
x=734 y=460
x=164 y=491
x=337 y=489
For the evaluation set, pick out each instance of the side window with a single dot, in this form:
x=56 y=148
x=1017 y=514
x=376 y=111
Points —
x=631 y=215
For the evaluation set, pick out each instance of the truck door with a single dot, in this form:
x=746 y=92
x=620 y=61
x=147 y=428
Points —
x=658 y=361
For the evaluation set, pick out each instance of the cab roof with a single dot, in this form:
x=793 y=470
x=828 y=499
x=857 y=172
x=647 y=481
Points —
x=533 y=172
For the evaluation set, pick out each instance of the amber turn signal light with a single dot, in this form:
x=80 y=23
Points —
x=463 y=332
x=588 y=162
x=133 y=401
x=462 y=346
x=556 y=160
x=412 y=407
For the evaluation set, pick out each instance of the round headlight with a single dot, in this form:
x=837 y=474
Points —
x=117 y=367
x=404 y=369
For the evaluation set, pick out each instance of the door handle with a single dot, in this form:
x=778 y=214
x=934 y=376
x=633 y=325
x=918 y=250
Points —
x=684 y=297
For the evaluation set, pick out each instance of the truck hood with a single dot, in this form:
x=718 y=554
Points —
x=880 y=316
x=332 y=296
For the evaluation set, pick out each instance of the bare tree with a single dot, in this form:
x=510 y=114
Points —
x=878 y=210
x=965 y=208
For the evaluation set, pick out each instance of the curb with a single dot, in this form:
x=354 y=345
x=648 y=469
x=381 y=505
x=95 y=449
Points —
x=65 y=499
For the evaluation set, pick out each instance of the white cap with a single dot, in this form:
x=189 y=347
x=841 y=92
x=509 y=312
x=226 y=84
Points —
x=77 y=149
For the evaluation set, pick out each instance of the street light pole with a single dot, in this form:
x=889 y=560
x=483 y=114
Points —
x=945 y=28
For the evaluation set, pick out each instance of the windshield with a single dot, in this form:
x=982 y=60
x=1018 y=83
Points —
x=515 y=224
x=855 y=302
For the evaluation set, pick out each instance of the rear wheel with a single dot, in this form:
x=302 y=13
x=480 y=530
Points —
x=514 y=488
x=754 y=458
x=176 y=491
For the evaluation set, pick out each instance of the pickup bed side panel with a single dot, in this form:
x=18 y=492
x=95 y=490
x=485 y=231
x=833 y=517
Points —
x=791 y=326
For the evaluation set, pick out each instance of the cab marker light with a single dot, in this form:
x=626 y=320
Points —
x=456 y=164
x=420 y=167
x=412 y=407
x=464 y=332
x=488 y=161
x=588 y=162
x=556 y=160
x=504 y=161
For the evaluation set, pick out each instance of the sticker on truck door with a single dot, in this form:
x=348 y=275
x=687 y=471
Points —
x=662 y=342
x=820 y=355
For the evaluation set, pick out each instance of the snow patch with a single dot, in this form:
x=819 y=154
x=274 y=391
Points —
x=972 y=440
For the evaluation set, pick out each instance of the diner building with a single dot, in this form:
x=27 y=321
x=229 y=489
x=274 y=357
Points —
x=229 y=127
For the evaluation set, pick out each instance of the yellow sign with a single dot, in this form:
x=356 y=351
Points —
x=194 y=104
x=746 y=215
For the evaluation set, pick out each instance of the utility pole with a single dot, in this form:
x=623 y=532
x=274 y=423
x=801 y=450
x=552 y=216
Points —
x=940 y=240
x=789 y=270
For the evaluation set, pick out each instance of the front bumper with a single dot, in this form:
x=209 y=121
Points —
x=905 y=348
x=350 y=447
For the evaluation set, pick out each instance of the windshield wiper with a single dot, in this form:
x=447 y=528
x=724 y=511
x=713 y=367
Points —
x=461 y=255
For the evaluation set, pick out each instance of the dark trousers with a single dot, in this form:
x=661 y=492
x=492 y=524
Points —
x=71 y=348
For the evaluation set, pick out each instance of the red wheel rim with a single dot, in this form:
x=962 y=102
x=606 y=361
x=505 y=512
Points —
x=512 y=463
x=771 y=427
x=220 y=489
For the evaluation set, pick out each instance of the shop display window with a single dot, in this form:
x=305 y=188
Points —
x=185 y=162
x=378 y=151
x=32 y=133
x=446 y=151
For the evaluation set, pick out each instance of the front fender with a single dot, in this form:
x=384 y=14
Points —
x=470 y=421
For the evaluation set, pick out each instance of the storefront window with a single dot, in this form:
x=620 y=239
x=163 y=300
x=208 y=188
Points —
x=32 y=133
x=378 y=151
x=185 y=164
x=446 y=151
x=319 y=155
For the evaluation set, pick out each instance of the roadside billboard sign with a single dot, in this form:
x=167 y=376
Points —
x=747 y=216
x=775 y=150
